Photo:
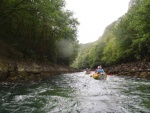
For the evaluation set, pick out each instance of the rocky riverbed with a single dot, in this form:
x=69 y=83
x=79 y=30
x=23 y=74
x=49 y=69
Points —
x=29 y=70
x=139 y=69
x=33 y=71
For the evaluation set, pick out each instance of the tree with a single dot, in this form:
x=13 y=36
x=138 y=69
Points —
x=34 y=26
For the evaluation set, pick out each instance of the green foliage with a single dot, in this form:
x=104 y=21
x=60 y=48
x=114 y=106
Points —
x=125 y=40
x=83 y=58
x=34 y=26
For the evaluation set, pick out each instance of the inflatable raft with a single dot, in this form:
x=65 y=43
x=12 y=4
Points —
x=99 y=76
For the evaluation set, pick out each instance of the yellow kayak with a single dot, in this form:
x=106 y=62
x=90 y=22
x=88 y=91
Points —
x=99 y=76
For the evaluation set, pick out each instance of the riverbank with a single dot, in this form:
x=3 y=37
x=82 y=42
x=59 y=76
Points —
x=138 y=69
x=30 y=70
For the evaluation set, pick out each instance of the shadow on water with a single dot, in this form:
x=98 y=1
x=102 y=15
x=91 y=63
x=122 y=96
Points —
x=77 y=93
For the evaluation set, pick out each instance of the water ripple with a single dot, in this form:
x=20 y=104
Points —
x=77 y=93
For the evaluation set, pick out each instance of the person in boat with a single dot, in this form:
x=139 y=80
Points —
x=100 y=70
x=87 y=70
x=96 y=71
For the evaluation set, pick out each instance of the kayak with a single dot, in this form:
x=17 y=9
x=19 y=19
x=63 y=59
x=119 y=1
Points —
x=86 y=72
x=99 y=76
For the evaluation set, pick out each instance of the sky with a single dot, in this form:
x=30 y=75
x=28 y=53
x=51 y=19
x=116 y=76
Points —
x=95 y=15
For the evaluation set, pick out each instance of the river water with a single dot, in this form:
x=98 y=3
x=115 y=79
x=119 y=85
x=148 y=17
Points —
x=76 y=93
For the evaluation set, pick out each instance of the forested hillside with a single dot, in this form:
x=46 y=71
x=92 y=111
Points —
x=125 y=40
x=37 y=30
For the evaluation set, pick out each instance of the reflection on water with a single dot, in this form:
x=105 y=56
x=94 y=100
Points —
x=76 y=93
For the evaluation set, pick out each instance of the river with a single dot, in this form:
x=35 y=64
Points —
x=76 y=93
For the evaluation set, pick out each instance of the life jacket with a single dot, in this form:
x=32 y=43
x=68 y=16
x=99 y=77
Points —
x=100 y=70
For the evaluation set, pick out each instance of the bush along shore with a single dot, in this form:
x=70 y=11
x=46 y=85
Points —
x=29 y=70
x=138 y=69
